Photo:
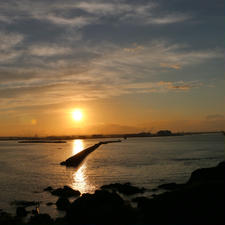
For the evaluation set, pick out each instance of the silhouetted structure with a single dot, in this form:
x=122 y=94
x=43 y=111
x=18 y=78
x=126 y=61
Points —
x=164 y=133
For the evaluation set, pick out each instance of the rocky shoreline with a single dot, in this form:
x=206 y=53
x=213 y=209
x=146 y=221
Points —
x=201 y=200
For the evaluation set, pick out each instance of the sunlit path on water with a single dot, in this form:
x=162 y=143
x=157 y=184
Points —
x=79 y=181
x=78 y=146
x=79 y=177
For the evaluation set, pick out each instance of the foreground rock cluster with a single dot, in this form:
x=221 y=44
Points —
x=199 y=201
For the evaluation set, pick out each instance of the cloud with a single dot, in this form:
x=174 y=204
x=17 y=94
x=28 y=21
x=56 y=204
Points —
x=169 y=19
x=171 y=66
x=161 y=86
x=82 y=13
x=8 y=43
x=143 y=61
x=9 y=40
x=4 y=19
x=61 y=73
x=103 y=8
x=78 y=22
x=62 y=92
x=181 y=85
x=46 y=51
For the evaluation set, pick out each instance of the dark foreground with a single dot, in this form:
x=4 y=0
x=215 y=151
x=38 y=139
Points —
x=200 y=201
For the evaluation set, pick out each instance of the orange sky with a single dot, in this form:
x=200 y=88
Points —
x=107 y=117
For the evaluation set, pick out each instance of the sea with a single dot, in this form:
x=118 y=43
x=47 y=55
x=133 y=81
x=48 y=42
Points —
x=27 y=168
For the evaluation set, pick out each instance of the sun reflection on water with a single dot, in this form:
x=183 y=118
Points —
x=79 y=179
x=78 y=146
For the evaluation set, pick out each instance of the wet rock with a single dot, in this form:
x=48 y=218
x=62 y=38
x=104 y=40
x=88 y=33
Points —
x=24 y=203
x=65 y=192
x=139 y=199
x=49 y=203
x=21 y=212
x=102 y=207
x=49 y=188
x=8 y=219
x=63 y=204
x=169 y=186
x=41 y=219
x=199 y=201
x=208 y=174
x=126 y=189
x=61 y=221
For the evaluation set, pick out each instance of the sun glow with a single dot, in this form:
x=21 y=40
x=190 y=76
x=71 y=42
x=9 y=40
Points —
x=77 y=115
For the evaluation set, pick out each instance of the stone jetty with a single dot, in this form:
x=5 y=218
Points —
x=75 y=160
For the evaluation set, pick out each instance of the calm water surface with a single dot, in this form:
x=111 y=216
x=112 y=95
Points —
x=25 y=169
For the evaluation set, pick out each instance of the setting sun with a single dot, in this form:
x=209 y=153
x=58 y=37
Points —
x=77 y=115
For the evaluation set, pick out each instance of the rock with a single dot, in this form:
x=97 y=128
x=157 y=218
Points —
x=102 y=207
x=126 y=189
x=141 y=200
x=49 y=188
x=24 y=203
x=21 y=212
x=208 y=174
x=8 y=219
x=199 y=201
x=65 y=192
x=62 y=221
x=63 y=204
x=154 y=189
x=169 y=186
x=49 y=203
x=41 y=219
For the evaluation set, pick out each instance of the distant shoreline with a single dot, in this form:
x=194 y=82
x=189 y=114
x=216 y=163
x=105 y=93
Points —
x=58 y=139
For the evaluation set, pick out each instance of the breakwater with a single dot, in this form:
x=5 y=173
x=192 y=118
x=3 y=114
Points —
x=75 y=160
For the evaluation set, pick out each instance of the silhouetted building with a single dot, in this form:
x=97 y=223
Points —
x=164 y=133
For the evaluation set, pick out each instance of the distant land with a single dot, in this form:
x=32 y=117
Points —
x=161 y=133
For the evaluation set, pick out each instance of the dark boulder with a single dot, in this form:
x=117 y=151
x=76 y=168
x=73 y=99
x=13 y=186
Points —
x=8 y=219
x=200 y=201
x=63 y=204
x=208 y=174
x=60 y=221
x=126 y=189
x=21 y=211
x=65 y=192
x=102 y=207
x=169 y=186
x=49 y=188
x=41 y=219
x=49 y=203
x=24 y=203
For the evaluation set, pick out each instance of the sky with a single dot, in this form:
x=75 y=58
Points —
x=129 y=66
